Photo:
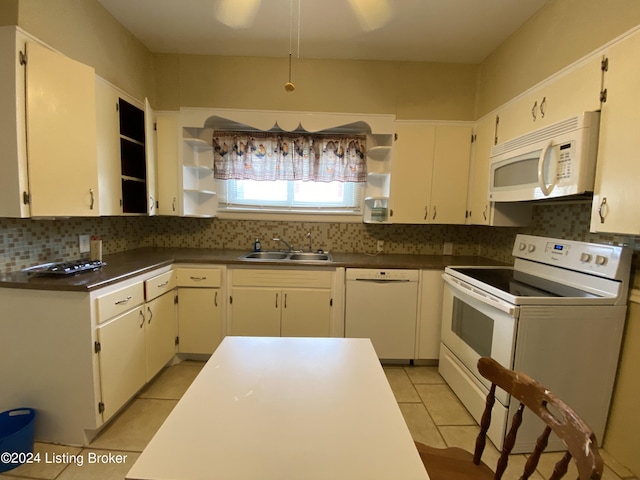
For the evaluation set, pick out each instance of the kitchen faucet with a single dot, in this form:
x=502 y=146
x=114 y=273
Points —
x=309 y=237
x=289 y=247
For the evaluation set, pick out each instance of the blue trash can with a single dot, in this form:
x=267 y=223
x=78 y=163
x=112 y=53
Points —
x=16 y=437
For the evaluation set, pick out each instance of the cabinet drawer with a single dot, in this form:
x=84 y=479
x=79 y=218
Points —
x=156 y=286
x=199 y=277
x=120 y=301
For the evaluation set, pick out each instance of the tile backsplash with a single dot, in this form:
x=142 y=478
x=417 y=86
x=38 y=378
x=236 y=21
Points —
x=25 y=242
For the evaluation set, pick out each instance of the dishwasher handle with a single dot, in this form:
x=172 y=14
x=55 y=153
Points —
x=376 y=280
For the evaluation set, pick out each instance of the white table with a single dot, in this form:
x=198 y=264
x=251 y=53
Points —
x=288 y=409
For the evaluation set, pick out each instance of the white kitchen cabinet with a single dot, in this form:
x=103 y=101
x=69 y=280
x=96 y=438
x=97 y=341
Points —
x=126 y=152
x=121 y=354
x=81 y=354
x=47 y=134
x=480 y=211
x=564 y=95
x=160 y=333
x=201 y=302
x=615 y=201
x=282 y=302
x=429 y=315
x=167 y=155
x=429 y=173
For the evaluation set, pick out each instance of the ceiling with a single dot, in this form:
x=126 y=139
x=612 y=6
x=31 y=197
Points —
x=454 y=31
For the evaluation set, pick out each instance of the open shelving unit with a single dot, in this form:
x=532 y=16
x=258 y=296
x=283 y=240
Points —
x=199 y=198
x=376 y=202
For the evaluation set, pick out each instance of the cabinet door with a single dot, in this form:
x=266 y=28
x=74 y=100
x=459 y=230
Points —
x=61 y=135
x=411 y=171
x=478 y=201
x=199 y=319
x=430 y=316
x=450 y=175
x=255 y=311
x=160 y=335
x=108 y=149
x=615 y=202
x=167 y=162
x=122 y=359
x=306 y=313
x=150 y=152
x=563 y=96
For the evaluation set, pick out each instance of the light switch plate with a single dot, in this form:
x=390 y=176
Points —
x=447 y=249
x=84 y=243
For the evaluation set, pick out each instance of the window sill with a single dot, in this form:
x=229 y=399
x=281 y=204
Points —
x=232 y=214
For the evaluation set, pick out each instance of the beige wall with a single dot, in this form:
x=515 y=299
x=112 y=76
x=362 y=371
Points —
x=409 y=90
x=561 y=33
x=8 y=12
x=85 y=31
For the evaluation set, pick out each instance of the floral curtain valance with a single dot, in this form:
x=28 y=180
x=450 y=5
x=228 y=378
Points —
x=277 y=156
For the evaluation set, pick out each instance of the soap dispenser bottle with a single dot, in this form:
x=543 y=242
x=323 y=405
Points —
x=257 y=246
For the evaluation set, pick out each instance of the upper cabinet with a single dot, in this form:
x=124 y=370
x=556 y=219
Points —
x=615 y=205
x=567 y=94
x=48 y=164
x=429 y=173
x=480 y=211
x=126 y=153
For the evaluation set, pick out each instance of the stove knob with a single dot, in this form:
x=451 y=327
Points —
x=531 y=248
x=522 y=246
x=600 y=260
x=585 y=257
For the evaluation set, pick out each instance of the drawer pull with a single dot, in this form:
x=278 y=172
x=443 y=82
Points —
x=197 y=279
x=124 y=301
x=164 y=284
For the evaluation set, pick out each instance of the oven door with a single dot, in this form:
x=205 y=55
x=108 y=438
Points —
x=476 y=324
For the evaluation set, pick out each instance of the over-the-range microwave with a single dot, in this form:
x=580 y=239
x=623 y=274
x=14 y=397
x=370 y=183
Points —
x=555 y=161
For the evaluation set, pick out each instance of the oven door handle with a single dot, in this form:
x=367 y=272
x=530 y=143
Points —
x=481 y=296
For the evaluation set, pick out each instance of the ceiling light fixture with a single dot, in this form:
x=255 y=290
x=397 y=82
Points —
x=237 y=13
x=289 y=86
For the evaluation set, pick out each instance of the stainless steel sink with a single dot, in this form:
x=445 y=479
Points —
x=287 y=256
x=264 y=256
x=310 y=256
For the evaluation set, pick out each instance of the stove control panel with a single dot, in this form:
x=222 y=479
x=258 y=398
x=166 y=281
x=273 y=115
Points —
x=605 y=260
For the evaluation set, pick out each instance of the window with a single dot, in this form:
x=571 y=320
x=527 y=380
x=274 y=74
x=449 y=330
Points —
x=265 y=171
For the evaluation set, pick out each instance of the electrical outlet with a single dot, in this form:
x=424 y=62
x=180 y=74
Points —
x=447 y=249
x=380 y=246
x=84 y=243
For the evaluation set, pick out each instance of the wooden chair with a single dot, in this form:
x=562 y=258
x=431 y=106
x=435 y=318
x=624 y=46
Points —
x=458 y=464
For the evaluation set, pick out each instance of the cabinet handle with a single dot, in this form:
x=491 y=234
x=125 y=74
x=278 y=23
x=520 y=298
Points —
x=601 y=209
x=93 y=199
x=534 y=109
x=215 y=299
x=197 y=279
x=150 y=204
x=173 y=204
x=150 y=315
x=276 y=300
x=426 y=211
x=124 y=301
x=164 y=284
x=434 y=212
x=484 y=212
x=285 y=300
x=543 y=104
x=141 y=318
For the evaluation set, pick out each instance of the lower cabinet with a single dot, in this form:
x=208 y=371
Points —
x=200 y=309
x=282 y=302
x=160 y=333
x=430 y=315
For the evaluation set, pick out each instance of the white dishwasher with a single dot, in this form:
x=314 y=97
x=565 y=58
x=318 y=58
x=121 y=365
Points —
x=382 y=305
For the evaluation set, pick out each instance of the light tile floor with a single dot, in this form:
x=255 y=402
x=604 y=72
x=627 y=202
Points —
x=433 y=414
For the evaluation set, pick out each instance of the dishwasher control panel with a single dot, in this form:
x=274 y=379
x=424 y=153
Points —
x=386 y=275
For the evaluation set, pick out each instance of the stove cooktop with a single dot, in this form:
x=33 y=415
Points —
x=65 y=268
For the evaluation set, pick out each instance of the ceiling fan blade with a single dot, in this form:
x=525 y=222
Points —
x=371 y=14
x=237 y=13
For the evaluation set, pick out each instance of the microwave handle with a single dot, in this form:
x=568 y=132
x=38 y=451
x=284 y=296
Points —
x=481 y=296
x=546 y=190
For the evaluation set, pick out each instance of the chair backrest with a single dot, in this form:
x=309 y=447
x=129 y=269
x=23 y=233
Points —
x=558 y=416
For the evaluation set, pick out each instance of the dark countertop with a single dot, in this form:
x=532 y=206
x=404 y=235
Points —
x=123 y=265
